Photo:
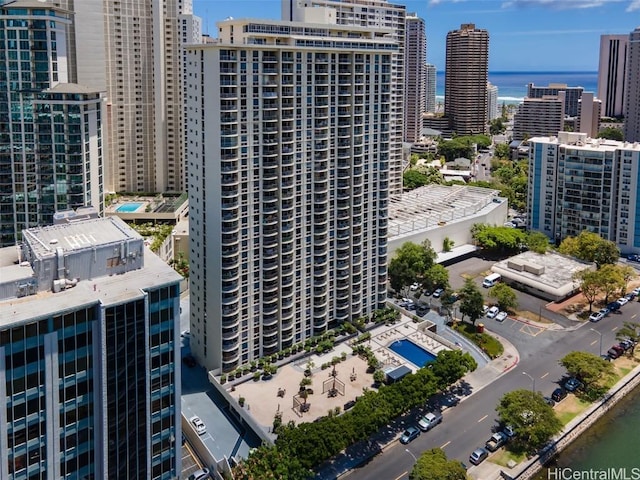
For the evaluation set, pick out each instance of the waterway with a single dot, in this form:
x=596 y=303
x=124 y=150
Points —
x=613 y=442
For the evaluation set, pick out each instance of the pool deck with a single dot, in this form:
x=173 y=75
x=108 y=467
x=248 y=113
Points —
x=263 y=399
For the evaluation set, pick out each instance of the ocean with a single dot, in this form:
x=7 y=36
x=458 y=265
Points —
x=512 y=86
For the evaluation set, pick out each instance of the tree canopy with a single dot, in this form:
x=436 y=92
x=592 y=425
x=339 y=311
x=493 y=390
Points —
x=452 y=365
x=505 y=296
x=434 y=465
x=590 y=247
x=462 y=146
x=630 y=330
x=586 y=367
x=498 y=238
x=537 y=242
x=611 y=133
x=533 y=421
x=502 y=150
x=436 y=276
x=411 y=263
x=472 y=301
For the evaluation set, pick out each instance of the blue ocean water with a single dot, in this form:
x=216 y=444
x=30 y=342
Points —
x=512 y=86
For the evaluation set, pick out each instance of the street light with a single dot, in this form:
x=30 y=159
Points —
x=533 y=380
x=595 y=331
x=411 y=453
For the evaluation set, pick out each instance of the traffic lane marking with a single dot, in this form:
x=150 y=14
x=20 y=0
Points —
x=594 y=342
x=401 y=475
x=442 y=447
x=483 y=418
x=614 y=329
x=544 y=375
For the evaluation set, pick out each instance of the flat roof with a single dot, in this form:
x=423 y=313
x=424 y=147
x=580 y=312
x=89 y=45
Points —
x=557 y=271
x=427 y=206
x=78 y=235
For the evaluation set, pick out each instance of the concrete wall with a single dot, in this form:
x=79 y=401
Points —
x=458 y=231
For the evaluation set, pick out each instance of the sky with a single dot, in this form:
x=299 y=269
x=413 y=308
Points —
x=524 y=35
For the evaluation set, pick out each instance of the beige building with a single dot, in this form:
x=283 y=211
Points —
x=415 y=86
x=589 y=112
x=612 y=74
x=539 y=116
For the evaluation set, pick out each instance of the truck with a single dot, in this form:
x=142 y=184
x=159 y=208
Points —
x=491 y=280
x=497 y=440
x=429 y=421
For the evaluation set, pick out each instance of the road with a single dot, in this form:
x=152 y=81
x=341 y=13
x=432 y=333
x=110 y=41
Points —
x=468 y=425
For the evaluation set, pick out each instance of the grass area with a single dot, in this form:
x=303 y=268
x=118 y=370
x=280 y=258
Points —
x=569 y=408
x=502 y=457
x=489 y=345
x=535 y=317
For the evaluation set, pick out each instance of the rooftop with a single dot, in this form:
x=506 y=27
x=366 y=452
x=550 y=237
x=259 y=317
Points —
x=431 y=205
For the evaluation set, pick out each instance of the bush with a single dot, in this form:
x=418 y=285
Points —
x=223 y=379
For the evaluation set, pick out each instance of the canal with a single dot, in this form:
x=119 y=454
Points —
x=613 y=442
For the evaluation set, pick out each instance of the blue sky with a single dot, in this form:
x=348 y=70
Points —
x=525 y=35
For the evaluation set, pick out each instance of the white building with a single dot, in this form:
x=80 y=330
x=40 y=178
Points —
x=493 y=111
x=632 y=95
x=612 y=74
x=579 y=183
x=373 y=14
x=289 y=144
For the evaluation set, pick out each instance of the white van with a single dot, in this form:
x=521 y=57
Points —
x=491 y=280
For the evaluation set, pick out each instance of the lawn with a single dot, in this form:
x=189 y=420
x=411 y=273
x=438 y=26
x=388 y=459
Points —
x=569 y=408
x=502 y=457
x=489 y=345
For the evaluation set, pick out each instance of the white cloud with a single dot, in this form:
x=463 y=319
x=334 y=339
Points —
x=633 y=6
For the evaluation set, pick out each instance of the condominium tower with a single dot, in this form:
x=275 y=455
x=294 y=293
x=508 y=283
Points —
x=493 y=111
x=415 y=87
x=466 y=76
x=571 y=95
x=539 y=116
x=289 y=143
x=612 y=74
x=51 y=131
x=132 y=50
x=579 y=183
x=632 y=105
x=89 y=368
x=430 y=72
x=373 y=14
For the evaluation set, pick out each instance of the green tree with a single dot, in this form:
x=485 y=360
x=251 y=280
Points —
x=413 y=179
x=590 y=247
x=537 y=242
x=497 y=126
x=451 y=366
x=628 y=273
x=533 y=420
x=434 y=465
x=611 y=281
x=472 y=301
x=611 y=133
x=630 y=330
x=269 y=461
x=589 y=284
x=436 y=276
x=502 y=151
x=410 y=262
x=505 y=296
x=498 y=238
x=586 y=367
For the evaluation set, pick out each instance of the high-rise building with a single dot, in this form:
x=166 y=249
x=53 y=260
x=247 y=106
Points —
x=374 y=14
x=466 y=76
x=571 y=97
x=580 y=183
x=133 y=52
x=51 y=131
x=493 y=111
x=289 y=142
x=89 y=361
x=430 y=72
x=415 y=88
x=539 y=116
x=612 y=74
x=588 y=120
x=632 y=98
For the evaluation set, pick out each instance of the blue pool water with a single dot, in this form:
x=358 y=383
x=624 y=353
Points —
x=412 y=352
x=129 y=207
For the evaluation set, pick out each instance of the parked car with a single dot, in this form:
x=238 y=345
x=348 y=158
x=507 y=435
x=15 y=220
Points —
x=596 y=316
x=618 y=349
x=497 y=440
x=604 y=311
x=429 y=421
x=438 y=292
x=634 y=258
x=606 y=358
x=636 y=291
x=613 y=353
x=501 y=316
x=614 y=306
x=622 y=301
x=484 y=309
x=627 y=344
x=549 y=401
x=409 y=434
x=199 y=474
x=199 y=425
x=509 y=431
x=572 y=384
x=630 y=296
x=492 y=312
x=478 y=456
x=414 y=286
x=559 y=394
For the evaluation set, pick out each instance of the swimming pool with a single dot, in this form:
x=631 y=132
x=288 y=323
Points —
x=412 y=352
x=129 y=207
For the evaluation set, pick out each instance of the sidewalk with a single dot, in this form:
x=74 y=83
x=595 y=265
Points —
x=470 y=384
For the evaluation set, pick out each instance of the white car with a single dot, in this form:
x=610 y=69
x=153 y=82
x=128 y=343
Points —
x=415 y=286
x=199 y=474
x=199 y=425
x=492 y=312
x=622 y=301
x=501 y=316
